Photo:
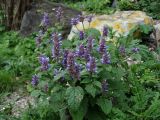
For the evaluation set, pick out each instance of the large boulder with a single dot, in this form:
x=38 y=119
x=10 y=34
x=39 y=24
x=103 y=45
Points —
x=32 y=18
x=121 y=22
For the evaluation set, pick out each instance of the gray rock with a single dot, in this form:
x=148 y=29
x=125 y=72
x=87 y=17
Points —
x=32 y=18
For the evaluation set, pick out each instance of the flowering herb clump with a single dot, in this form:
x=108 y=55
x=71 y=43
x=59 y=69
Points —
x=87 y=75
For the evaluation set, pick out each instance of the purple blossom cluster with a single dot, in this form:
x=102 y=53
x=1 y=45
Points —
x=91 y=65
x=38 y=39
x=74 y=21
x=90 y=44
x=73 y=68
x=56 y=45
x=102 y=46
x=105 y=58
x=59 y=13
x=135 y=50
x=45 y=21
x=81 y=35
x=122 y=50
x=44 y=61
x=105 y=31
x=35 y=80
x=81 y=50
x=64 y=60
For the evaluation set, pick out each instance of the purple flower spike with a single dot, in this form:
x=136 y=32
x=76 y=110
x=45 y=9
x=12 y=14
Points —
x=91 y=65
x=122 y=50
x=56 y=45
x=105 y=58
x=45 y=21
x=35 y=80
x=71 y=63
x=74 y=21
x=105 y=31
x=44 y=61
x=135 y=50
x=102 y=46
x=86 y=55
x=59 y=13
x=104 y=86
x=90 y=44
x=81 y=51
x=64 y=61
x=81 y=35
x=73 y=69
x=77 y=69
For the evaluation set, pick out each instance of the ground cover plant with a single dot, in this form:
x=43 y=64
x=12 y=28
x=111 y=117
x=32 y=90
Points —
x=91 y=78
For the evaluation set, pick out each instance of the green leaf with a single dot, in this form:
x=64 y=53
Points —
x=97 y=84
x=60 y=75
x=79 y=115
x=29 y=88
x=105 y=105
x=136 y=56
x=74 y=97
x=91 y=90
x=57 y=101
x=93 y=32
x=66 y=44
x=145 y=28
x=35 y=93
x=85 y=81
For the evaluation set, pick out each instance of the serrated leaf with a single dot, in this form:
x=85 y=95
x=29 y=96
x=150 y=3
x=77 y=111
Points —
x=91 y=90
x=57 y=101
x=79 y=115
x=97 y=84
x=74 y=97
x=105 y=105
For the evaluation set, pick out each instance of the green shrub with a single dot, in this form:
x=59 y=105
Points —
x=151 y=7
x=16 y=60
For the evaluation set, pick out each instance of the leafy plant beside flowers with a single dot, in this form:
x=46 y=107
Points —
x=85 y=78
